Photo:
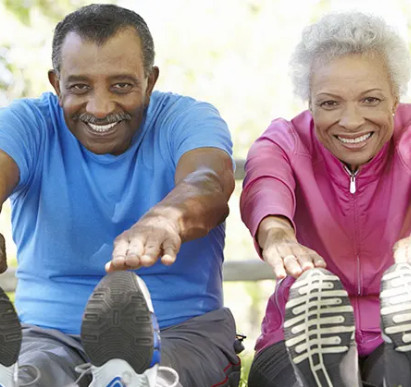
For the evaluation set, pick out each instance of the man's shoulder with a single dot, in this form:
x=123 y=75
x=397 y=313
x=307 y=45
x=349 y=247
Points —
x=41 y=106
x=168 y=101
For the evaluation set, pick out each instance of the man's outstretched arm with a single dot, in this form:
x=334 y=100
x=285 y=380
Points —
x=199 y=201
x=9 y=177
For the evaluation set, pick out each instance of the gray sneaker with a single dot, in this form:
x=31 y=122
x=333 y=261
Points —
x=319 y=331
x=10 y=341
x=121 y=336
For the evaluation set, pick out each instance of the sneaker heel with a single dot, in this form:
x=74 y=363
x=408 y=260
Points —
x=119 y=327
x=319 y=327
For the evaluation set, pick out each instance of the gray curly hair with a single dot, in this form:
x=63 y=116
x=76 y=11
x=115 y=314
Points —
x=340 y=34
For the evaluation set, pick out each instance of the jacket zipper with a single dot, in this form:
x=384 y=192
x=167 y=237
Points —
x=359 y=275
x=353 y=190
x=353 y=185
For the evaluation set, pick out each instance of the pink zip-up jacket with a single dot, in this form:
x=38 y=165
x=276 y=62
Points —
x=351 y=221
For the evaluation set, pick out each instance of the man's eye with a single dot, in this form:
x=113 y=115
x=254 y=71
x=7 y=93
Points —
x=78 y=88
x=122 y=86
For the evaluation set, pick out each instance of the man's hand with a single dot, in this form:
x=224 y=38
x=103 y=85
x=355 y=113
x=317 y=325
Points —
x=402 y=250
x=3 y=257
x=153 y=236
x=204 y=182
x=281 y=250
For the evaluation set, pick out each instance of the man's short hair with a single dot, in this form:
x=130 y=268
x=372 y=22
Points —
x=98 y=23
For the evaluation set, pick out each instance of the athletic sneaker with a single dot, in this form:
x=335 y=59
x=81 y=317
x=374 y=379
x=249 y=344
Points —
x=395 y=297
x=120 y=333
x=319 y=331
x=10 y=342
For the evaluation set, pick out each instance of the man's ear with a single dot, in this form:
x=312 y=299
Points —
x=152 y=79
x=55 y=82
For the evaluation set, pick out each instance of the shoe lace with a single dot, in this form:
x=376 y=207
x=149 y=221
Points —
x=85 y=369
x=36 y=372
x=82 y=369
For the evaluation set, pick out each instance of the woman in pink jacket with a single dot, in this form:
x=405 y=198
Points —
x=331 y=189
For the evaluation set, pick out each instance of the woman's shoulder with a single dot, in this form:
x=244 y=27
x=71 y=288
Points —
x=402 y=119
x=402 y=133
x=295 y=134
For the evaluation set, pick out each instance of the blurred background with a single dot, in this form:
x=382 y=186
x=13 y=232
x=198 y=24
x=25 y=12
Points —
x=232 y=53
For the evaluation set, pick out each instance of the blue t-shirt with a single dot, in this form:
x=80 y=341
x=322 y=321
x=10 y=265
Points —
x=70 y=204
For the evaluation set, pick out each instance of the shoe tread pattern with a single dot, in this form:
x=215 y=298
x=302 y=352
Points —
x=319 y=326
x=117 y=323
x=395 y=297
x=10 y=331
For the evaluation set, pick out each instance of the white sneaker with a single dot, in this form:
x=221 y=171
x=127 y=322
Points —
x=10 y=342
x=319 y=330
x=120 y=333
x=118 y=373
x=395 y=297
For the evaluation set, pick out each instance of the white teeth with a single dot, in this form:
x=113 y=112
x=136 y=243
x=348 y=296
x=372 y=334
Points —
x=354 y=140
x=101 y=128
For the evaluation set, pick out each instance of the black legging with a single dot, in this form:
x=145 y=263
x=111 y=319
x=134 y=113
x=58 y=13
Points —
x=272 y=367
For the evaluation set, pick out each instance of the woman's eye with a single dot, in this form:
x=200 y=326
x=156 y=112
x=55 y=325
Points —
x=328 y=104
x=372 y=100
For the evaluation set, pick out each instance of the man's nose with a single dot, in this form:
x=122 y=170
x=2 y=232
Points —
x=351 y=117
x=100 y=105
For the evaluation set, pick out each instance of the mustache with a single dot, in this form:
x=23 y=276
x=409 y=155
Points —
x=110 y=119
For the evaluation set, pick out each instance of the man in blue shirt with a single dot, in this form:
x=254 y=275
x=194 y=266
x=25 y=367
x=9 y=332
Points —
x=107 y=176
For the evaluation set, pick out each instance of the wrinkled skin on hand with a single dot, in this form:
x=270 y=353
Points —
x=287 y=257
x=281 y=250
x=152 y=237
x=402 y=250
x=3 y=260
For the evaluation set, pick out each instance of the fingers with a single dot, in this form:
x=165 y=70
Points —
x=402 y=251
x=292 y=259
x=310 y=259
x=170 y=250
x=138 y=247
x=278 y=267
x=120 y=250
x=292 y=265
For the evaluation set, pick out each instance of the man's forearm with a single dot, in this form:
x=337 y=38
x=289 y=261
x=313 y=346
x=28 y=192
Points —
x=197 y=204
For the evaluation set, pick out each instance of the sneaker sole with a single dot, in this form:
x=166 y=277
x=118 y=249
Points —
x=10 y=332
x=319 y=326
x=395 y=297
x=119 y=323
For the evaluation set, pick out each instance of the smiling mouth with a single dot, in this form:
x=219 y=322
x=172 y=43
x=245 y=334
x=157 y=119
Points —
x=102 y=128
x=356 y=140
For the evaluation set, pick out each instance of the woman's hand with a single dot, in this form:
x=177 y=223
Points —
x=402 y=250
x=281 y=250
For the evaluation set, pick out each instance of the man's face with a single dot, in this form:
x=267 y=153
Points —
x=103 y=90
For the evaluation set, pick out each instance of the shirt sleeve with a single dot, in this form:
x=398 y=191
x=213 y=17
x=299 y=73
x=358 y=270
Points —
x=197 y=125
x=269 y=183
x=20 y=137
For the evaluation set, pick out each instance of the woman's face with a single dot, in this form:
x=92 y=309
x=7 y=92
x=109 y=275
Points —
x=352 y=103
